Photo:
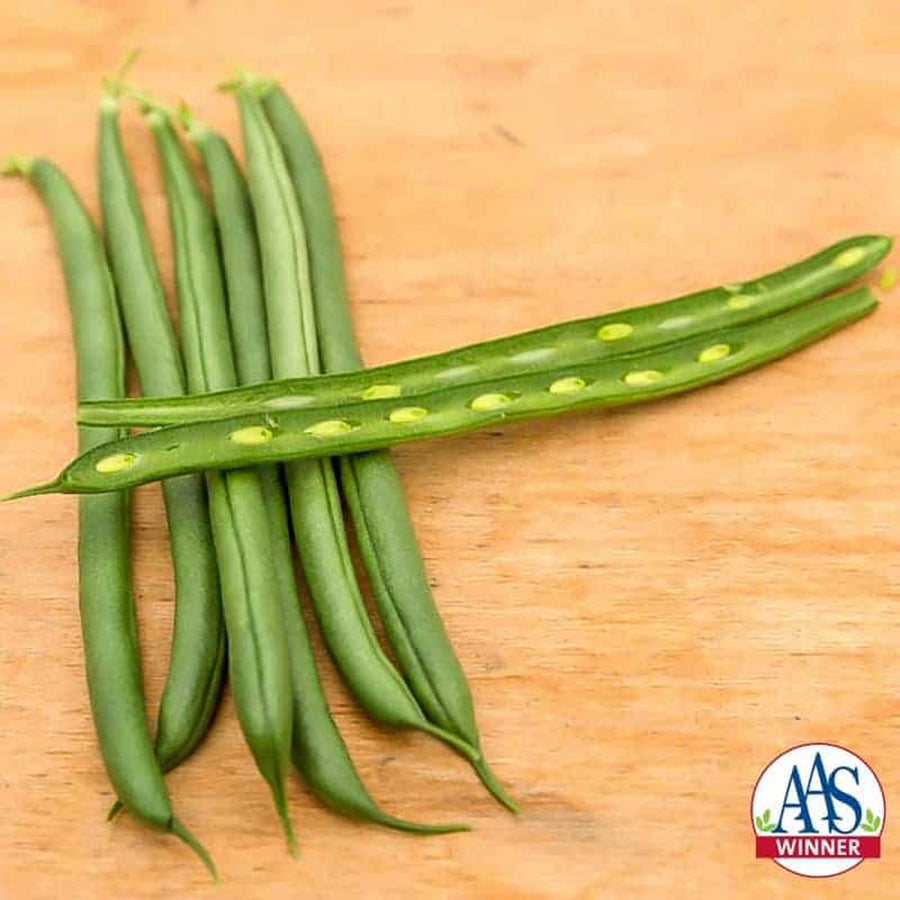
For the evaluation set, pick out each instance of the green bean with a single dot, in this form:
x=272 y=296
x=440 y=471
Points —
x=260 y=672
x=577 y=342
x=370 y=481
x=318 y=749
x=303 y=434
x=312 y=487
x=108 y=622
x=197 y=659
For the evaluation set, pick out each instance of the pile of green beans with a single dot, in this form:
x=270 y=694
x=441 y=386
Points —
x=317 y=746
x=370 y=482
x=262 y=417
x=312 y=486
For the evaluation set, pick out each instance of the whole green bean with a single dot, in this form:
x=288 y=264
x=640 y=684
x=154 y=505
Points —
x=370 y=482
x=260 y=671
x=312 y=487
x=108 y=622
x=582 y=341
x=318 y=749
x=303 y=434
x=197 y=658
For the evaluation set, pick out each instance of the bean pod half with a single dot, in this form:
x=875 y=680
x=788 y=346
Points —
x=579 y=342
x=353 y=428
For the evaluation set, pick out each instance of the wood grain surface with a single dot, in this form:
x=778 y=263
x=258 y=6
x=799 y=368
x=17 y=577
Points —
x=650 y=604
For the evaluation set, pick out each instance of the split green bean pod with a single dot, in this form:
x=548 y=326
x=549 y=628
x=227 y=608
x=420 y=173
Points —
x=259 y=666
x=106 y=602
x=297 y=434
x=370 y=482
x=197 y=659
x=318 y=749
x=582 y=341
x=312 y=487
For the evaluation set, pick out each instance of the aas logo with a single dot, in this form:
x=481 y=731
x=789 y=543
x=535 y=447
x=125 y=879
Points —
x=818 y=810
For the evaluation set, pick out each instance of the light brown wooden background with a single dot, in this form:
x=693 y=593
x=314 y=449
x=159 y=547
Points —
x=650 y=605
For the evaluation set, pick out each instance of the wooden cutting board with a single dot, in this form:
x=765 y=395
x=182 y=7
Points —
x=651 y=604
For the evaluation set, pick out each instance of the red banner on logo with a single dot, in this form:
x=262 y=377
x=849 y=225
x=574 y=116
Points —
x=814 y=846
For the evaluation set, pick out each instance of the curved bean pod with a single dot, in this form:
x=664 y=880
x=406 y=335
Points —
x=297 y=434
x=581 y=341
x=106 y=602
x=197 y=658
x=260 y=672
x=319 y=751
x=370 y=482
x=312 y=487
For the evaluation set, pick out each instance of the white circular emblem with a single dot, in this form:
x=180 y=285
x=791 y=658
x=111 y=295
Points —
x=818 y=810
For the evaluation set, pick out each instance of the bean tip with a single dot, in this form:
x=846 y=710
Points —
x=887 y=242
x=389 y=821
x=16 y=165
x=114 y=85
x=114 y=810
x=290 y=837
x=188 y=838
x=230 y=85
x=244 y=79
x=191 y=125
x=490 y=781
x=148 y=104
x=51 y=487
